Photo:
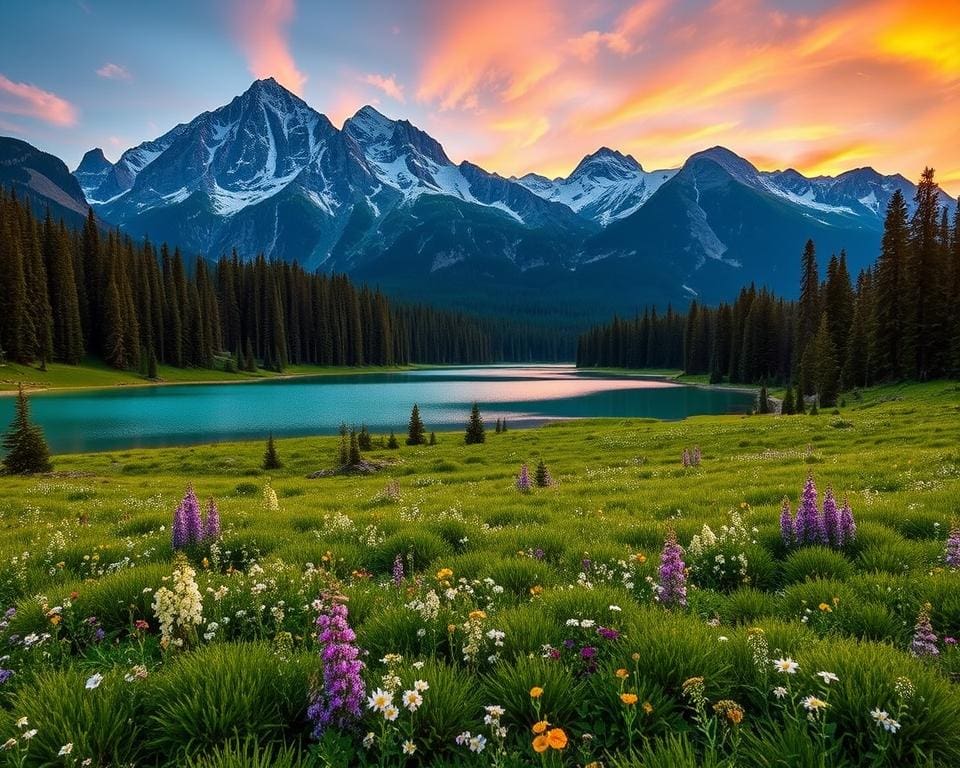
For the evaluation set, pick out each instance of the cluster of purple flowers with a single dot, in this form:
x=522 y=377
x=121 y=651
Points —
x=189 y=528
x=924 y=641
x=952 y=556
x=584 y=651
x=672 y=587
x=691 y=458
x=832 y=526
x=398 y=572
x=523 y=480
x=339 y=703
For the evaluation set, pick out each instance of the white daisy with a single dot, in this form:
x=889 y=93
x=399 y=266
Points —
x=787 y=666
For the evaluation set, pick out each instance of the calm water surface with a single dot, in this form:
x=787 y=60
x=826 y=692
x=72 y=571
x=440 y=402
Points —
x=175 y=415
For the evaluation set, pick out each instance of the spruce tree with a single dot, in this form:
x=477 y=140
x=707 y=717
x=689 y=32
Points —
x=433 y=438
x=503 y=425
x=826 y=376
x=355 y=457
x=475 y=431
x=799 y=404
x=270 y=458
x=542 y=476
x=763 y=401
x=392 y=441
x=810 y=307
x=416 y=432
x=363 y=439
x=787 y=407
x=25 y=449
x=497 y=428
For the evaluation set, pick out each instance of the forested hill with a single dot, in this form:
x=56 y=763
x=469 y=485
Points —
x=69 y=293
x=899 y=319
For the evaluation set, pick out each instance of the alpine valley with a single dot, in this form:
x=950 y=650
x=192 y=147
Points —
x=380 y=199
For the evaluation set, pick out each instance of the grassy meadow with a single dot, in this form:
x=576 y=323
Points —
x=527 y=624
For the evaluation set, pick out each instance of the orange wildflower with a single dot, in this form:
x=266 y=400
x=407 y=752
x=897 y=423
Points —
x=556 y=738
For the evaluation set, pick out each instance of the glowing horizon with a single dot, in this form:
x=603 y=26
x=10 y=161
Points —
x=822 y=86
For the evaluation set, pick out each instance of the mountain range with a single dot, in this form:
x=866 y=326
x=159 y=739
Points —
x=381 y=200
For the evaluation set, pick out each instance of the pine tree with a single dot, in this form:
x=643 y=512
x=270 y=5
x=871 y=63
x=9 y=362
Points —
x=810 y=306
x=839 y=304
x=392 y=441
x=787 y=407
x=542 y=476
x=927 y=329
x=114 y=348
x=152 y=372
x=271 y=460
x=799 y=404
x=364 y=441
x=497 y=430
x=416 y=432
x=823 y=363
x=503 y=425
x=355 y=457
x=433 y=438
x=25 y=449
x=763 y=401
x=475 y=431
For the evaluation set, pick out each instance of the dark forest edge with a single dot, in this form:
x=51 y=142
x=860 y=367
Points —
x=899 y=321
x=70 y=294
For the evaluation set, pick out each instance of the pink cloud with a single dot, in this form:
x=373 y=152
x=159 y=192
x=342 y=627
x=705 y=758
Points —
x=112 y=71
x=260 y=28
x=388 y=85
x=30 y=101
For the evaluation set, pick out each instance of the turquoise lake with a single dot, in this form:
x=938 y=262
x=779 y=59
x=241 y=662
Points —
x=109 y=419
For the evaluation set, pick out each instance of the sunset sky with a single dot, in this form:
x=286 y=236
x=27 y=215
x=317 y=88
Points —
x=513 y=85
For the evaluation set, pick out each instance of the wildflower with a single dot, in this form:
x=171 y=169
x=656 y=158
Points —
x=628 y=698
x=390 y=713
x=647 y=708
x=179 y=609
x=270 y=501
x=814 y=704
x=340 y=700
x=93 y=681
x=787 y=665
x=9 y=744
x=685 y=458
x=808 y=525
x=66 y=749
x=640 y=558
x=523 y=480
x=477 y=743
x=924 y=641
x=729 y=709
x=540 y=727
x=828 y=677
x=847 y=530
x=672 y=587
x=557 y=738
x=409 y=747
x=786 y=523
x=536 y=692
x=477 y=616
x=421 y=685
x=622 y=674
x=186 y=521
x=412 y=700
x=211 y=523
x=883 y=720
x=536 y=590
x=540 y=743
x=952 y=556
x=779 y=691
x=825 y=608
x=5 y=675
x=27 y=735
x=369 y=739
x=608 y=633
x=397 y=570
x=831 y=519
x=22 y=722
x=444 y=574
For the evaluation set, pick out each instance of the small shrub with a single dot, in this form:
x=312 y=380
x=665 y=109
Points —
x=815 y=563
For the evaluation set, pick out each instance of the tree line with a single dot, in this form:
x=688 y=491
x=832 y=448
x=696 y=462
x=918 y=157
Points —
x=900 y=318
x=66 y=294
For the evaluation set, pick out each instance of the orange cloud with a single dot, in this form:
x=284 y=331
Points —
x=260 y=29
x=388 y=85
x=30 y=101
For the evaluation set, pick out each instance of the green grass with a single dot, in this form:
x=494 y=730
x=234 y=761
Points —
x=95 y=374
x=93 y=540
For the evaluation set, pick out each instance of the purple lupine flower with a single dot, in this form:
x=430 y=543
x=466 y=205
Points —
x=831 y=518
x=186 y=521
x=5 y=675
x=696 y=456
x=587 y=652
x=847 y=530
x=339 y=703
x=523 y=479
x=586 y=564
x=685 y=458
x=672 y=588
x=398 y=570
x=808 y=525
x=211 y=523
x=608 y=633
x=924 y=641
x=786 y=523
x=538 y=554
x=952 y=556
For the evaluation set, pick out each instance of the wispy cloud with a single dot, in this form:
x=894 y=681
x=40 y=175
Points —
x=112 y=71
x=260 y=29
x=30 y=101
x=388 y=85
